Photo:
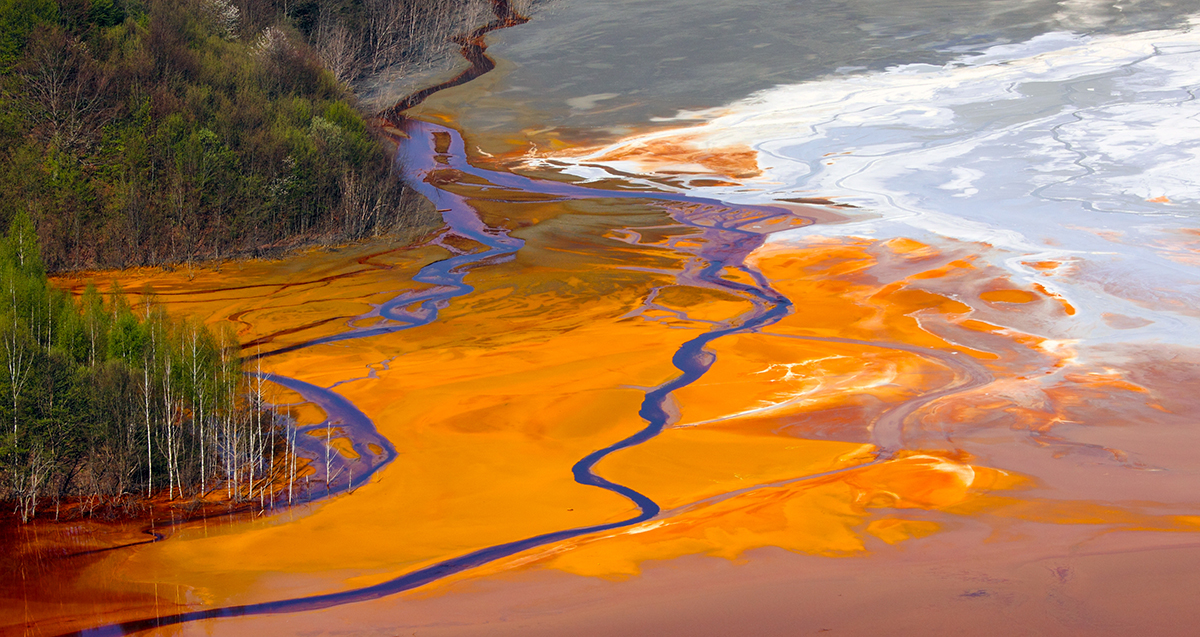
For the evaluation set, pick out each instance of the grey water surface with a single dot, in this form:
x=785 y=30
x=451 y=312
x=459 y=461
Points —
x=608 y=65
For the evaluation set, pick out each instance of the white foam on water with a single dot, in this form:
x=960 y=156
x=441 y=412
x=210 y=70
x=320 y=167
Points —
x=1064 y=146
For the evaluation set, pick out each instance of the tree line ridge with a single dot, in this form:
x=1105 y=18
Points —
x=152 y=132
x=147 y=132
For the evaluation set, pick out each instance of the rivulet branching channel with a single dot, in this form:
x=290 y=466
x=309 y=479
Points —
x=431 y=157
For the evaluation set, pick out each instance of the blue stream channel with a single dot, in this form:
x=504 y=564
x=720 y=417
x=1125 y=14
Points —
x=431 y=148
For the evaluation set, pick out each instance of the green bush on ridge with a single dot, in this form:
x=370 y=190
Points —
x=137 y=133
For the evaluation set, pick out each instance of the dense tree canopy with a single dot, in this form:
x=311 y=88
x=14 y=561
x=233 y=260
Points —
x=138 y=132
x=150 y=131
x=101 y=398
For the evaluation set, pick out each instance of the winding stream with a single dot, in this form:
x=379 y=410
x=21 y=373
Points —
x=429 y=150
x=963 y=363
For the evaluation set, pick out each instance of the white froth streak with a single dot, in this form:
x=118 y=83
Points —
x=1049 y=148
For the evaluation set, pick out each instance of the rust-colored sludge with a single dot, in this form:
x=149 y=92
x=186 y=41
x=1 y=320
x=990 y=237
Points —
x=777 y=446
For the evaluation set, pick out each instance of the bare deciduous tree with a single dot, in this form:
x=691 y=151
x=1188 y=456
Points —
x=18 y=361
x=67 y=89
x=337 y=48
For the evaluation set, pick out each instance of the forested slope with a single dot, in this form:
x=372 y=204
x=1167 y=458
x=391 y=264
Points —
x=102 y=399
x=151 y=131
x=138 y=132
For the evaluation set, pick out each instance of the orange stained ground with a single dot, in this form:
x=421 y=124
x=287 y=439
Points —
x=490 y=407
x=684 y=156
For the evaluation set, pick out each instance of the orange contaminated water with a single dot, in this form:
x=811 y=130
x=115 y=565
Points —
x=1006 y=436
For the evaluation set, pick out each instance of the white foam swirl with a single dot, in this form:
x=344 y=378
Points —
x=1064 y=145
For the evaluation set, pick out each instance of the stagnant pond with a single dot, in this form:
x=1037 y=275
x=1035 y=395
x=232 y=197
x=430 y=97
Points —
x=747 y=318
